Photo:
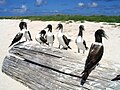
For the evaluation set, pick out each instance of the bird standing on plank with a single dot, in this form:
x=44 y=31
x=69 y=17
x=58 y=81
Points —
x=80 y=42
x=23 y=33
x=41 y=37
x=95 y=55
x=63 y=40
x=50 y=37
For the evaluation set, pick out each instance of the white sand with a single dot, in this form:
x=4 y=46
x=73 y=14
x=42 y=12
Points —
x=9 y=28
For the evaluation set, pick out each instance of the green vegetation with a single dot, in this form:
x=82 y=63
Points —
x=100 y=18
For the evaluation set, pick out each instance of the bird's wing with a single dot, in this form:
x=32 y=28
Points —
x=94 y=56
x=43 y=39
x=53 y=37
x=16 y=38
x=29 y=35
x=116 y=78
x=84 y=43
x=75 y=40
x=65 y=40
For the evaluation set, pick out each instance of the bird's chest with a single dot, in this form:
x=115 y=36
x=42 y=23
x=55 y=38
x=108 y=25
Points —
x=25 y=33
x=49 y=36
x=79 y=40
x=59 y=36
x=80 y=43
x=60 y=39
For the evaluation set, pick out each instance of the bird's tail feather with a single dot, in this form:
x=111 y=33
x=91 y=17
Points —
x=31 y=39
x=69 y=47
x=115 y=79
x=11 y=44
x=69 y=40
x=84 y=77
x=86 y=48
x=46 y=43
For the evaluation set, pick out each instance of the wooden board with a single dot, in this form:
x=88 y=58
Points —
x=45 y=68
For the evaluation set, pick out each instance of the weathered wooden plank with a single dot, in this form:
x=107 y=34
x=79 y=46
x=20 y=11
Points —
x=31 y=73
x=47 y=68
x=61 y=62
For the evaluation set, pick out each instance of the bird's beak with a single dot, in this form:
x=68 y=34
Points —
x=57 y=27
x=45 y=27
x=106 y=36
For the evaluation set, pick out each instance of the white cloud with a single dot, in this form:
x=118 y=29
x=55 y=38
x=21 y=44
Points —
x=54 y=11
x=38 y=2
x=22 y=9
x=2 y=1
x=94 y=4
x=81 y=4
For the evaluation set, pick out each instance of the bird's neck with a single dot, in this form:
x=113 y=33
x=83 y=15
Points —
x=98 y=39
x=50 y=30
x=80 y=33
x=61 y=30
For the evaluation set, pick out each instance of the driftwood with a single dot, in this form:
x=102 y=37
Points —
x=44 y=68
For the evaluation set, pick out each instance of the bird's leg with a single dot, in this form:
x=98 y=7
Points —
x=48 y=44
x=65 y=48
x=83 y=51
x=26 y=39
x=78 y=50
x=59 y=47
x=52 y=45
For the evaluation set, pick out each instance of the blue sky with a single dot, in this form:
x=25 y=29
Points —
x=48 y=7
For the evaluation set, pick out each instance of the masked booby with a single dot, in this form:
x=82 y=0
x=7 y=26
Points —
x=63 y=40
x=41 y=37
x=50 y=36
x=95 y=55
x=80 y=42
x=23 y=33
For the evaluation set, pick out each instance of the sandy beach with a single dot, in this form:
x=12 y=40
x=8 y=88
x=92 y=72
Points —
x=9 y=28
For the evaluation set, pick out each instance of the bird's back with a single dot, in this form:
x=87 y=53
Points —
x=95 y=55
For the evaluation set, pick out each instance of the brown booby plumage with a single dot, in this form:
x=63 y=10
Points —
x=95 y=55
x=116 y=78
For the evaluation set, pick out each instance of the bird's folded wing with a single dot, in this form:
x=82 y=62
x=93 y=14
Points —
x=65 y=40
x=94 y=56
